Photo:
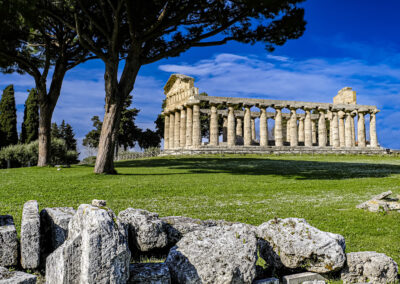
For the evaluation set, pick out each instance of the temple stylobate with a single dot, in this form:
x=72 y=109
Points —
x=283 y=126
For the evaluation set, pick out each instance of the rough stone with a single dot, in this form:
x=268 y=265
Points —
x=294 y=243
x=267 y=281
x=314 y=282
x=8 y=241
x=99 y=203
x=16 y=277
x=381 y=202
x=30 y=235
x=220 y=254
x=369 y=266
x=178 y=226
x=383 y=195
x=149 y=273
x=145 y=230
x=54 y=227
x=96 y=250
x=302 y=278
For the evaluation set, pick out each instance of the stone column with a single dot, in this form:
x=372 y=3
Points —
x=278 y=127
x=263 y=127
x=177 y=128
x=182 y=136
x=239 y=129
x=329 y=116
x=372 y=129
x=348 y=135
x=353 y=129
x=361 y=129
x=189 y=126
x=342 y=132
x=308 y=128
x=231 y=127
x=171 y=141
x=321 y=129
x=196 y=126
x=166 y=131
x=335 y=130
x=288 y=130
x=225 y=129
x=247 y=126
x=301 y=129
x=253 y=129
x=293 y=128
x=314 y=131
x=214 y=126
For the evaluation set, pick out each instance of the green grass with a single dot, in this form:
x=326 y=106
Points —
x=245 y=188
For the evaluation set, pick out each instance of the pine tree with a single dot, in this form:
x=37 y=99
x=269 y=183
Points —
x=55 y=131
x=8 y=117
x=30 y=125
x=62 y=129
x=69 y=137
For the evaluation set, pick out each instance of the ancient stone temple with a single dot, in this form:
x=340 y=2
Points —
x=283 y=126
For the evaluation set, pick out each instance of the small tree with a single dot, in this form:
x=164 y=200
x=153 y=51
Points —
x=55 y=131
x=69 y=137
x=92 y=138
x=30 y=125
x=149 y=139
x=8 y=117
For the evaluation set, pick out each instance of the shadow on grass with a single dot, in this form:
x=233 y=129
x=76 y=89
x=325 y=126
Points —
x=248 y=166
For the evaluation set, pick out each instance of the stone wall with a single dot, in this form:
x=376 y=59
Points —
x=93 y=245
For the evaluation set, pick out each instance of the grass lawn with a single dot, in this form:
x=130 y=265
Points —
x=246 y=188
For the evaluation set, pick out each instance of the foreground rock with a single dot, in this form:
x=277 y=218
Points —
x=381 y=203
x=96 y=250
x=30 y=235
x=149 y=273
x=220 y=254
x=294 y=243
x=178 y=226
x=369 y=266
x=306 y=277
x=9 y=241
x=146 y=231
x=54 y=227
x=16 y=277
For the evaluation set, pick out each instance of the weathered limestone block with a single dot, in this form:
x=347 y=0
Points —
x=145 y=230
x=9 y=241
x=381 y=202
x=149 y=273
x=30 y=235
x=54 y=227
x=296 y=244
x=306 y=277
x=220 y=254
x=178 y=226
x=369 y=266
x=16 y=277
x=267 y=281
x=96 y=250
x=99 y=203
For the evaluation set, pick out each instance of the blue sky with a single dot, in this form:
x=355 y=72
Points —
x=351 y=43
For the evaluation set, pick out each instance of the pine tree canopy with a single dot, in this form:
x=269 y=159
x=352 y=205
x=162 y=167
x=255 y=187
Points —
x=8 y=117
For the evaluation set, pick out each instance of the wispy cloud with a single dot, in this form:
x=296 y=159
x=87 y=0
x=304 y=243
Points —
x=315 y=79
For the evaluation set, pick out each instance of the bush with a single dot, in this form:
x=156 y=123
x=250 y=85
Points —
x=91 y=160
x=21 y=155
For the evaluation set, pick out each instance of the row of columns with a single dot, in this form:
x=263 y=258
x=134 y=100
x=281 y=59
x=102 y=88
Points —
x=183 y=127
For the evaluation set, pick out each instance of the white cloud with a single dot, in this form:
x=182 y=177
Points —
x=315 y=79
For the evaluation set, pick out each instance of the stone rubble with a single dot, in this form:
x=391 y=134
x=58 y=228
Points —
x=267 y=281
x=16 y=277
x=219 y=254
x=8 y=241
x=369 y=266
x=96 y=250
x=381 y=203
x=149 y=273
x=294 y=243
x=54 y=227
x=306 y=277
x=146 y=231
x=30 y=235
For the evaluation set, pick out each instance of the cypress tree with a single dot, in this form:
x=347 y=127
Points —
x=8 y=117
x=30 y=125
x=55 y=131
x=69 y=137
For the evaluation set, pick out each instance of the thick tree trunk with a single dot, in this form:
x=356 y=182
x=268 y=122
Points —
x=44 y=134
x=115 y=96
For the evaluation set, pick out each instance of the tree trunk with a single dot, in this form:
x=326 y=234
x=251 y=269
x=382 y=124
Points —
x=44 y=134
x=115 y=96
